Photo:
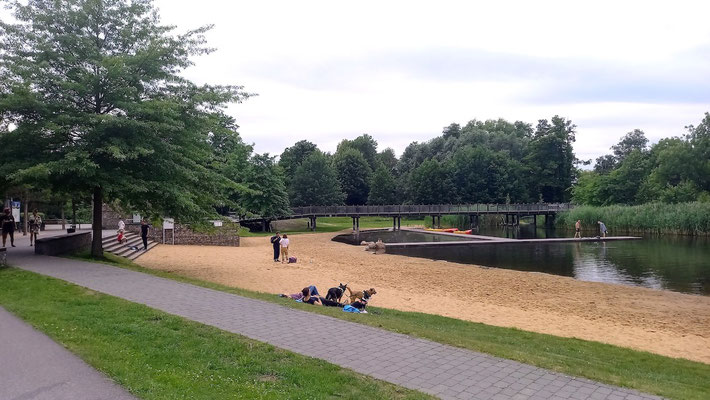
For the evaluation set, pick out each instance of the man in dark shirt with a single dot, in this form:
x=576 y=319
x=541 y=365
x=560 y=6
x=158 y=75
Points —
x=7 y=221
x=144 y=234
x=276 y=242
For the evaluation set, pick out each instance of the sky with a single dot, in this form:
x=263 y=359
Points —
x=402 y=70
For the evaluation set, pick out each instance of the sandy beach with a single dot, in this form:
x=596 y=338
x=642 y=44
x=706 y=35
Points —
x=662 y=322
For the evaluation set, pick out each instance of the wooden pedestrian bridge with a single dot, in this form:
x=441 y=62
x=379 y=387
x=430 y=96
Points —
x=510 y=212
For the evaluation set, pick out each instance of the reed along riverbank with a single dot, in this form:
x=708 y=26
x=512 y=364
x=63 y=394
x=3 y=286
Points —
x=655 y=218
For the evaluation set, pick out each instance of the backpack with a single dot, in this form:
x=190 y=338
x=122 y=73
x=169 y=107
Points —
x=292 y=260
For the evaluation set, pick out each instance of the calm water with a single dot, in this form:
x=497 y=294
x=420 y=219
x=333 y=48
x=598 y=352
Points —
x=675 y=263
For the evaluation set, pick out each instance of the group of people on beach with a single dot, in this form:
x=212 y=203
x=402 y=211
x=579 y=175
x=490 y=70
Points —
x=578 y=229
x=280 y=245
x=357 y=303
x=144 y=232
x=9 y=225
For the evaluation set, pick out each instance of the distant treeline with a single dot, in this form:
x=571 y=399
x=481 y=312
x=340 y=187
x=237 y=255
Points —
x=674 y=170
x=680 y=218
x=493 y=161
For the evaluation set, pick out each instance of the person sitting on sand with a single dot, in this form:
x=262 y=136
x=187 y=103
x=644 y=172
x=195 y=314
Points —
x=578 y=229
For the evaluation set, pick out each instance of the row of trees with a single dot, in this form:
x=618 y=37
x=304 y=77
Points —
x=93 y=107
x=484 y=161
x=673 y=170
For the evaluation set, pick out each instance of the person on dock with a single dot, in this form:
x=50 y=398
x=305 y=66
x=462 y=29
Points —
x=284 y=248
x=602 y=229
x=35 y=225
x=7 y=221
x=276 y=242
x=578 y=229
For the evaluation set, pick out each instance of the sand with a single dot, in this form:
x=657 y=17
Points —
x=662 y=322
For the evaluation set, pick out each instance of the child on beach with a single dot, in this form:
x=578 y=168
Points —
x=284 y=248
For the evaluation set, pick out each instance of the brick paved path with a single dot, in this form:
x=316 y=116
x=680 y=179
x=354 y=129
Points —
x=444 y=371
x=33 y=367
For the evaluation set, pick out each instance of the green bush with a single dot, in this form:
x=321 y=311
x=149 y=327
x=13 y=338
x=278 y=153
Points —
x=691 y=218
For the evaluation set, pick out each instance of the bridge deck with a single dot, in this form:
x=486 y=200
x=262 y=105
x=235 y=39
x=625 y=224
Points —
x=419 y=210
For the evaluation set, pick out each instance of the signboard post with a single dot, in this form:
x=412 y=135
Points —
x=169 y=225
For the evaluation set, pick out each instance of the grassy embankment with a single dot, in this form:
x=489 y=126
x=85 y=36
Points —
x=331 y=224
x=654 y=218
x=160 y=356
x=651 y=373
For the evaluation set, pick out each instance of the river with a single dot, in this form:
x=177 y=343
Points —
x=677 y=263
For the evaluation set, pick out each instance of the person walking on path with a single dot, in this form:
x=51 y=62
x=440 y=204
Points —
x=8 y=227
x=284 y=248
x=276 y=242
x=578 y=229
x=121 y=225
x=602 y=229
x=144 y=234
x=35 y=226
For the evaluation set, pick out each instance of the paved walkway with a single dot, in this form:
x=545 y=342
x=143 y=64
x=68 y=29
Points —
x=33 y=367
x=444 y=371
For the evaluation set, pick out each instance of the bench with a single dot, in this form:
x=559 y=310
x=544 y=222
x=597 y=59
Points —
x=63 y=244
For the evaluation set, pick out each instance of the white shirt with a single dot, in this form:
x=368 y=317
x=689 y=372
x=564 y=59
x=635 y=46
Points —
x=284 y=242
x=121 y=225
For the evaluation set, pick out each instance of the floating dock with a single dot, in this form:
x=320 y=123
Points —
x=478 y=240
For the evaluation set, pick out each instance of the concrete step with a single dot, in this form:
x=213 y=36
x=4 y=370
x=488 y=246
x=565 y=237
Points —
x=141 y=252
x=115 y=246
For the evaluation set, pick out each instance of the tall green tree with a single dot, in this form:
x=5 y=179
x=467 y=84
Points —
x=353 y=174
x=430 y=183
x=388 y=159
x=292 y=157
x=267 y=196
x=95 y=87
x=634 y=140
x=551 y=159
x=315 y=183
x=383 y=188
x=365 y=144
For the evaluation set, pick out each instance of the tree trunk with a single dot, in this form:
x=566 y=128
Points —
x=96 y=247
x=73 y=213
x=26 y=217
x=62 y=215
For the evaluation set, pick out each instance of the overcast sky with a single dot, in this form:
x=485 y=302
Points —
x=402 y=70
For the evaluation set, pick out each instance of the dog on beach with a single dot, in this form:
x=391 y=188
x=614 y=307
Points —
x=361 y=295
x=336 y=293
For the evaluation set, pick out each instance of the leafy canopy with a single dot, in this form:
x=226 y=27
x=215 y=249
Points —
x=93 y=92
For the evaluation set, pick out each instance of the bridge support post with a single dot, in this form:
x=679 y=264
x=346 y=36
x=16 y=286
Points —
x=394 y=223
x=263 y=225
x=313 y=223
x=353 y=224
x=535 y=220
x=399 y=223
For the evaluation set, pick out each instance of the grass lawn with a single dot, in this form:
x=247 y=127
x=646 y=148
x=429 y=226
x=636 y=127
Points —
x=331 y=224
x=160 y=356
x=651 y=373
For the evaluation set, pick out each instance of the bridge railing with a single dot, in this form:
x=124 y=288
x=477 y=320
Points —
x=427 y=209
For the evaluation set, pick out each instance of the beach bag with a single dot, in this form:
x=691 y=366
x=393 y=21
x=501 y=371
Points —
x=351 y=309
x=292 y=260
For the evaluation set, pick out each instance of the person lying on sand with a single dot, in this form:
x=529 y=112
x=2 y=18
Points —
x=307 y=296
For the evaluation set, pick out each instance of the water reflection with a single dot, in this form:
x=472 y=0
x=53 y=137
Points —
x=672 y=262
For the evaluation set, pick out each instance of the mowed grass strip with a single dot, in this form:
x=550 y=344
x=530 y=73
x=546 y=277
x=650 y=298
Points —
x=160 y=356
x=673 y=378
x=332 y=224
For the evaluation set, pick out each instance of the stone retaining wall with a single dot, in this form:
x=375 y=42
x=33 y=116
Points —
x=63 y=244
x=186 y=236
